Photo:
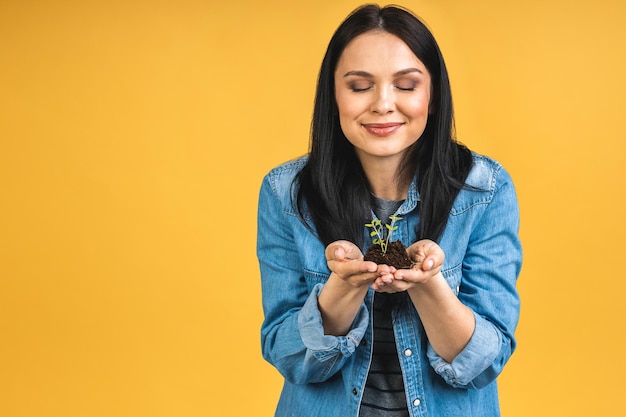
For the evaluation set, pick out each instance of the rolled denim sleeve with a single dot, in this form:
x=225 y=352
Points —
x=478 y=355
x=324 y=347
x=292 y=335
x=490 y=269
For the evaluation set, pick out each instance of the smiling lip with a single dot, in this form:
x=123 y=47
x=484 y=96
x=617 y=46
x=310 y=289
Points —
x=382 y=129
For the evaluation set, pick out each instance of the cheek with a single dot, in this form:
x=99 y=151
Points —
x=347 y=117
x=343 y=108
x=350 y=106
x=417 y=107
x=347 y=126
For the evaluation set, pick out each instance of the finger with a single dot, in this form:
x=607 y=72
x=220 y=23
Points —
x=368 y=266
x=332 y=250
x=344 y=250
x=428 y=264
x=339 y=253
x=426 y=255
x=393 y=287
x=383 y=289
x=385 y=269
x=409 y=275
x=433 y=251
x=385 y=279
x=416 y=252
x=354 y=267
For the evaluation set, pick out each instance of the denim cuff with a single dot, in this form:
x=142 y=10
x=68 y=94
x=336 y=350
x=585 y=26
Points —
x=324 y=347
x=479 y=354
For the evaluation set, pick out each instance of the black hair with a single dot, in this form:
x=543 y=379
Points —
x=332 y=184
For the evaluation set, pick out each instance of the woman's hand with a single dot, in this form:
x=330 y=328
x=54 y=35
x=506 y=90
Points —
x=448 y=323
x=345 y=260
x=427 y=257
x=343 y=294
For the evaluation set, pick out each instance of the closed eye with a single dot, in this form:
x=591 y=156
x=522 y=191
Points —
x=406 y=85
x=359 y=87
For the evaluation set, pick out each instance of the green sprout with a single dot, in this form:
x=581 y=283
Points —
x=380 y=237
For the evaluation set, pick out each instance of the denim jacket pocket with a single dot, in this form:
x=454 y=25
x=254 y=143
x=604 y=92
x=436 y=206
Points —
x=312 y=278
x=453 y=277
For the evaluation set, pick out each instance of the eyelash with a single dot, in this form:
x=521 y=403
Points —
x=412 y=85
x=361 y=90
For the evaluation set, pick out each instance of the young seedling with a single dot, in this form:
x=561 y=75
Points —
x=379 y=235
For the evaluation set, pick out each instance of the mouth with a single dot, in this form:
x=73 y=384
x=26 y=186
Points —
x=382 y=129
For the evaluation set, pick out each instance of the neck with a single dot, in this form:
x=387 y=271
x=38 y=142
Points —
x=384 y=178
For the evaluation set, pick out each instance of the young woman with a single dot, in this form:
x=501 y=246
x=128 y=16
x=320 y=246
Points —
x=356 y=338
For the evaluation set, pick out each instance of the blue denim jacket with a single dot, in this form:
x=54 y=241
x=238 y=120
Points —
x=325 y=375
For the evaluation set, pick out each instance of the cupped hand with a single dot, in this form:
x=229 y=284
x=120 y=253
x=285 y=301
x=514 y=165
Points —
x=345 y=260
x=427 y=258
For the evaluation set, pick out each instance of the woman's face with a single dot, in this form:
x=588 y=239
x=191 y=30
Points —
x=383 y=94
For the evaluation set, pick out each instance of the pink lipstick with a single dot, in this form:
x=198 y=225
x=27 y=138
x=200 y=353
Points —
x=382 y=129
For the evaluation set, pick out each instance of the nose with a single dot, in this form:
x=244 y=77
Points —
x=383 y=101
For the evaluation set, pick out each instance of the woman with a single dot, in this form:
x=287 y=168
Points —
x=356 y=338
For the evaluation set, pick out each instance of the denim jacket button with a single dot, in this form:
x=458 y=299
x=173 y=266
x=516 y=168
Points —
x=408 y=352
x=355 y=391
x=416 y=402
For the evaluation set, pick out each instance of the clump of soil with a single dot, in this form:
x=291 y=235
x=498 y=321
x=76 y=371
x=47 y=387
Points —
x=395 y=256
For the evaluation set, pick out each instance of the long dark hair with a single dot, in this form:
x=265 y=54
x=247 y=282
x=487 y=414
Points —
x=332 y=185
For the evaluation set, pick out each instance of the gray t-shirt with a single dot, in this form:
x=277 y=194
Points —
x=384 y=389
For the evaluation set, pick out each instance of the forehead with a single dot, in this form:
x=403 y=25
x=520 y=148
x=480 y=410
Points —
x=378 y=50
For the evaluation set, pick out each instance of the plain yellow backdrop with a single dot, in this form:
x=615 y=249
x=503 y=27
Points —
x=134 y=135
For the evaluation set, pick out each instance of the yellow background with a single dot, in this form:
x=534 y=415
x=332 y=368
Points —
x=133 y=138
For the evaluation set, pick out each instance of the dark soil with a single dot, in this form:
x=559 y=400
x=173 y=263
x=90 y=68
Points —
x=396 y=255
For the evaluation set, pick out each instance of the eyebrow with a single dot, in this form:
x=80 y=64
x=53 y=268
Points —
x=368 y=75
